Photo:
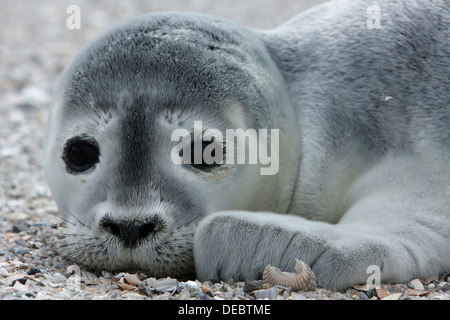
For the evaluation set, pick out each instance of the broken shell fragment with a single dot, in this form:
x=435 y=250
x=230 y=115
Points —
x=125 y=286
x=415 y=292
x=381 y=293
x=303 y=279
x=129 y=282
x=132 y=279
x=73 y=270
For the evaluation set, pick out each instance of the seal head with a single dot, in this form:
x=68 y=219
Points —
x=108 y=143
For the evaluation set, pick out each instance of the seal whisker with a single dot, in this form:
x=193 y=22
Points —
x=190 y=221
x=75 y=217
x=66 y=220
x=81 y=255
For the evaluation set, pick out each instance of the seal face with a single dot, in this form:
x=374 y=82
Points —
x=363 y=149
x=108 y=145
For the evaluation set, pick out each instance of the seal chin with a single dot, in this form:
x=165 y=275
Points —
x=160 y=253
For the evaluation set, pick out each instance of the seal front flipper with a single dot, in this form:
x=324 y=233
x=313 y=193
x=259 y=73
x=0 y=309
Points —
x=250 y=241
x=238 y=245
x=390 y=223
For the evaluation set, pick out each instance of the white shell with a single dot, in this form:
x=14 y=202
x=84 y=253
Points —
x=129 y=282
x=132 y=279
x=304 y=278
x=74 y=269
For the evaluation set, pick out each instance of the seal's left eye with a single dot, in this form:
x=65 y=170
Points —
x=80 y=155
x=201 y=164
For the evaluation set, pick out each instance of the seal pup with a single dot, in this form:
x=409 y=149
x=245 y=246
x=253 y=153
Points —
x=108 y=144
x=363 y=116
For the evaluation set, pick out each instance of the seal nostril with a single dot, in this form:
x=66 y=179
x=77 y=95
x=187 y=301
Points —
x=112 y=228
x=129 y=232
x=146 y=229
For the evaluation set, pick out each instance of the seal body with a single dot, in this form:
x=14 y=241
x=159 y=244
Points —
x=363 y=118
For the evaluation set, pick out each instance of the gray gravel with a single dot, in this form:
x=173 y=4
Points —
x=35 y=46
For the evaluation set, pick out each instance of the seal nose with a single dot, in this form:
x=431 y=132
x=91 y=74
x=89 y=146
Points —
x=130 y=232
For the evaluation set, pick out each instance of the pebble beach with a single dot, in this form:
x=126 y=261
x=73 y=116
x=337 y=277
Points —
x=35 y=47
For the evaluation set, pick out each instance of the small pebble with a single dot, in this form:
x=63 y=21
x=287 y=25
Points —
x=415 y=292
x=392 y=296
x=204 y=297
x=209 y=293
x=363 y=296
x=270 y=294
x=184 y=295
x=417 y=284
x=21 y=251
x=252 y=285
x=192 y=286
x=298 y=296
x=4 y=272
x=22 y=243
x=371 y=293
x=161 y=285
x=132 y=296
x=32 y=271
x=21 y=280
x=231 y=282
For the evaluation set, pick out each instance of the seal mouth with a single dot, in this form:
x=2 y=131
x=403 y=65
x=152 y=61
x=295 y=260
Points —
x=147 y=245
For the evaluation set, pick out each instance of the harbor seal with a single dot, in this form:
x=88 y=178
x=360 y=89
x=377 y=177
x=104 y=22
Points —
x=364 y=145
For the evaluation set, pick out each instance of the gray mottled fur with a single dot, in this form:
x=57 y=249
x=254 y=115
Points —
x=364 y=116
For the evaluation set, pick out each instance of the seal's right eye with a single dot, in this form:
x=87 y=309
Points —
x=80 y=155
